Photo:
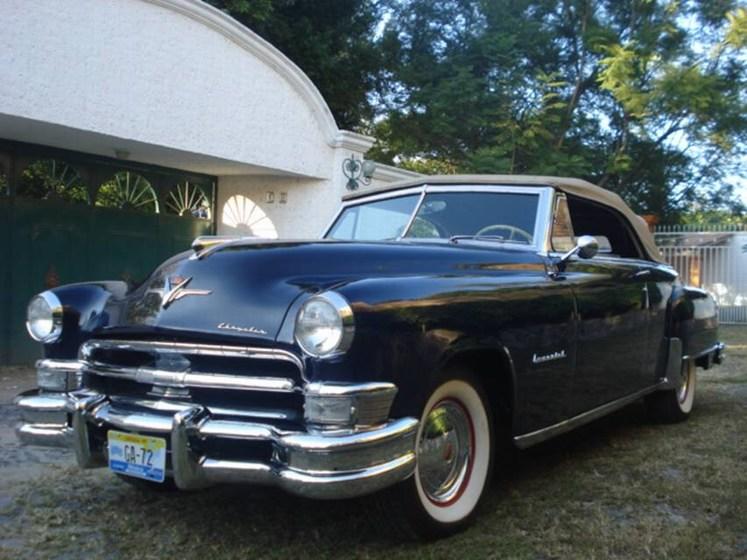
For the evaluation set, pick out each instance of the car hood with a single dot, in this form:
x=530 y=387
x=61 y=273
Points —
x=247 y=289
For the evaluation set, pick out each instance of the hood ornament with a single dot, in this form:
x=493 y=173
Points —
x=174 y=289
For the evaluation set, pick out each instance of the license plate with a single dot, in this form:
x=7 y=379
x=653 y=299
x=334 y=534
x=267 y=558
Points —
x=139 y=456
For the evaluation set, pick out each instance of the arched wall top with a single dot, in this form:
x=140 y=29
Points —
x=261 y=49
x=176 y=83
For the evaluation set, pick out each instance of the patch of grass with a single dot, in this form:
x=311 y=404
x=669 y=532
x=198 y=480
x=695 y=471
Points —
x=619 y=488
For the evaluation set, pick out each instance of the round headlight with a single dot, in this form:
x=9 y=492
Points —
x=44 y=317
x=324 y=325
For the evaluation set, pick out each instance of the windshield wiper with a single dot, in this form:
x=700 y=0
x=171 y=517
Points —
x=497 y=238
x=456 y=238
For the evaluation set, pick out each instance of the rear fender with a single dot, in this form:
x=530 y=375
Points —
x=694 y=321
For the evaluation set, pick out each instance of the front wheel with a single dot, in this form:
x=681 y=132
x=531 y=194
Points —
x=675 y=405
x=454 y=462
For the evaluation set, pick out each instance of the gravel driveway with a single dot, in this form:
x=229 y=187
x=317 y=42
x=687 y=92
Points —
x=19 y=463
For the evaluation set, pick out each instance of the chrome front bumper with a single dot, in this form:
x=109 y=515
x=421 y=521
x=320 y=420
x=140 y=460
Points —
x=312 y=464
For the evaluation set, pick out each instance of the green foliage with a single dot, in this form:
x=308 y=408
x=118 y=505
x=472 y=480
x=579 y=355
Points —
x=620 y=73
x=127 y=191
x=428 y=166
x=701 y=217
x=736 y=33
x=330 y=40
x=52 y=180
x=645 y=97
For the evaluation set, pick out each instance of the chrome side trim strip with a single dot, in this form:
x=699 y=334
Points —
x=220 y=350
x=527 y=440
x=153 y=376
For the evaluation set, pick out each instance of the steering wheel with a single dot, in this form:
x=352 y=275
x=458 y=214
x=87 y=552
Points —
x=514 y=232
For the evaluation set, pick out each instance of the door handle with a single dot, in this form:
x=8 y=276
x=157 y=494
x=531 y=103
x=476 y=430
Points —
x=641 y=274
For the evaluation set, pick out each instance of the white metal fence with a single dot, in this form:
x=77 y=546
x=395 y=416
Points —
x=712 y=257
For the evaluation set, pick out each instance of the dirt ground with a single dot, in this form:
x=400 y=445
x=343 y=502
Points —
x=619 y=488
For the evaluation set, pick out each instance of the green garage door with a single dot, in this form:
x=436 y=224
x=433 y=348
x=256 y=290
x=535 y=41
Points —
x=60 y=230
x=5 y=292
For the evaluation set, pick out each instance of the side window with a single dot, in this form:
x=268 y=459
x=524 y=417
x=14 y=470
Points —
x=612 y=231
x=562 y=239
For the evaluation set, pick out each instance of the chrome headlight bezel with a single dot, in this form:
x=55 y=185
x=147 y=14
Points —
x=345 y=325
x=55 y=312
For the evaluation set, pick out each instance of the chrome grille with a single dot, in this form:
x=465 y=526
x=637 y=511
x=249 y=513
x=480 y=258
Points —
x=235 y=381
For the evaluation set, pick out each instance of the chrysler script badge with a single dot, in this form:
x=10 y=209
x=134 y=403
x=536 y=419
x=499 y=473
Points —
x=175 y=289
x=247 y=330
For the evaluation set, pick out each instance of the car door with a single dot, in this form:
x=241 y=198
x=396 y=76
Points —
x=611 y=332
x=612 y=308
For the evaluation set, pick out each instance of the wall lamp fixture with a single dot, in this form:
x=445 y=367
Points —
x=358 y=171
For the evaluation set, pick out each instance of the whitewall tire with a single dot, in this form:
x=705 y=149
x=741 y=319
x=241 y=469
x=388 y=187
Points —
x=676 y=404
x=454 y=461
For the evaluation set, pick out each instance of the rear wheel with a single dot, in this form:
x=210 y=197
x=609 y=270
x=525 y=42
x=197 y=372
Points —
x=454 y=462
x=675 y=405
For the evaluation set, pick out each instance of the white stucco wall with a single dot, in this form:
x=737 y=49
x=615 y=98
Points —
x=168 y=73
x=179 y=84
x=310 y=204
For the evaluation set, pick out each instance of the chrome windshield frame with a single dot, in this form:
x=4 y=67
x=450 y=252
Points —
x=541 y=226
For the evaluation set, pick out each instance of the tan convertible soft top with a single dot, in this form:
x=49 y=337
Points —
x=576 y=187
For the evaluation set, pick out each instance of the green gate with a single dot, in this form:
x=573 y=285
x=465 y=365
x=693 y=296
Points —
x=5 y=291
x=55 y=240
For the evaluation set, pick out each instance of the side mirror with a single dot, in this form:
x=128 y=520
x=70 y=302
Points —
x=586 y=247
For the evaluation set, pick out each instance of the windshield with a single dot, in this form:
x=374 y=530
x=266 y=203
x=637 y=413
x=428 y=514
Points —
x=375 y=221
x=506 y=217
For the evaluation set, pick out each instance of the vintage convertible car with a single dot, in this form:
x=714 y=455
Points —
x=436 y=320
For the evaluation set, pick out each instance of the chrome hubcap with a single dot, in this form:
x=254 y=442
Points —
x=444 y=451
x=684 y=389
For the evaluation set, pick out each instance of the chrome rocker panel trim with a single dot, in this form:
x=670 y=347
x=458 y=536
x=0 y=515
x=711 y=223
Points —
x=527 y=440
x=311 y=464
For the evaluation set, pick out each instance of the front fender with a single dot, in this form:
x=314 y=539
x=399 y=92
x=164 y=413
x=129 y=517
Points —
x=407 y=329
x=87 y=307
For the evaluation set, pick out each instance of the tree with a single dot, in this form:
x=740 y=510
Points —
x=645 y=97
x=330 y=40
